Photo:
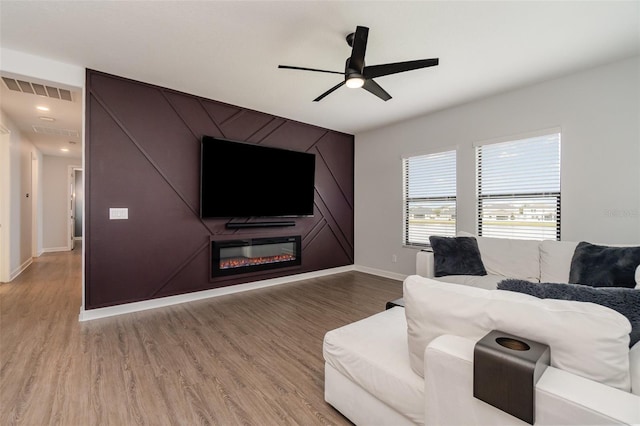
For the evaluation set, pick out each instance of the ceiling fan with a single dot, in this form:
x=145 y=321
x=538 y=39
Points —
x=357 y=75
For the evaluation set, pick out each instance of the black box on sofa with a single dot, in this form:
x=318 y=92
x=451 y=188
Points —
x=505 y=371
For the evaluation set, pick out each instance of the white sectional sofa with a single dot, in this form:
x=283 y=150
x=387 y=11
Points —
x=414 y=364
x=539 y=261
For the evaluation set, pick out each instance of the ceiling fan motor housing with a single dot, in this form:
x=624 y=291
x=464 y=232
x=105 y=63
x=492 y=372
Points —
x=351 y=73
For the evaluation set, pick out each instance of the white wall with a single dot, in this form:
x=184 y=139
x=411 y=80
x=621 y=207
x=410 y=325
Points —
x=25 y=195
x=22 y=161
x=37 y=202
x=4 y=203
x=55 y=193
x=598 y=111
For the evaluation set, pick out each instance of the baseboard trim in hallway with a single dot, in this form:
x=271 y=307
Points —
x=20 y=269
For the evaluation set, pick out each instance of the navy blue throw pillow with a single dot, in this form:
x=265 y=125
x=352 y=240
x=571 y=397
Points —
x=456 y=256
x=624 y=300
x=604 y=266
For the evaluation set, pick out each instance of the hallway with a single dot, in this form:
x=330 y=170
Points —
x=43 y=362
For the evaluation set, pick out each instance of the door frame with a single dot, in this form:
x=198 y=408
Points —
x=71 y=188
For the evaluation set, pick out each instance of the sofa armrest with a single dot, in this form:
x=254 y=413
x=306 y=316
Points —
x=561 y=397
x=424 y=264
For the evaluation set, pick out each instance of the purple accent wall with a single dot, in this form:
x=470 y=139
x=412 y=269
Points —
x=143 y=152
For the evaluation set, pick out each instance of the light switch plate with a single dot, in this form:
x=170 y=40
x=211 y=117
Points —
x=118 y=213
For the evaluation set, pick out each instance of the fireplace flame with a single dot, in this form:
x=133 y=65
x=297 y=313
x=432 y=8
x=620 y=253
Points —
x=239 y=262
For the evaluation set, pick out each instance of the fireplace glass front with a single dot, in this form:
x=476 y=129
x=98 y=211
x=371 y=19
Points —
x=254 y=254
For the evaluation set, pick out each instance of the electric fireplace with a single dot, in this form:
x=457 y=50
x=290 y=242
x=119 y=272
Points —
x=254 y=254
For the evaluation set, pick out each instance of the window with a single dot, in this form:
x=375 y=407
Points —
x=429 y=197
x=519 y=188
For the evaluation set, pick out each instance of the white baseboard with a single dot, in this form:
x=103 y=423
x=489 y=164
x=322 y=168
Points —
x=380 y=272
x=54 y=249
x=20 y=269
x=91 y=314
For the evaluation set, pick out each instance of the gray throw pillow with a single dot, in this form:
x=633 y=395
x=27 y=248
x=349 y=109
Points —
x=604 y=266
x=456 y=256
x=624 y=300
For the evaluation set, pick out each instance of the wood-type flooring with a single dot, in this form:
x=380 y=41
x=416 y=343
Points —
x=252 y=358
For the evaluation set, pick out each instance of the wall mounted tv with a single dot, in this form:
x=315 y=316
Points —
x=240 y=179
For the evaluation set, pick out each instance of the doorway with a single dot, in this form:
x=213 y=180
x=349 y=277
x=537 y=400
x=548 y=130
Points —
x=76 y=204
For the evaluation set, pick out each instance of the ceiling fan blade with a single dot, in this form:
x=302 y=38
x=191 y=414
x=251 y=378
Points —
x=289 y=67
x=337 y=86
x=373 y=87
x=386 y=69
x=359 y=48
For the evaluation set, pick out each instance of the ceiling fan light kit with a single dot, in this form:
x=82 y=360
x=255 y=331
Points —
x=357 y=75
x=355 y=82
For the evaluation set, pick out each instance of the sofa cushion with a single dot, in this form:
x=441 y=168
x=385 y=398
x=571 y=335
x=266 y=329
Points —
x=555 y=260
x=623 y=300
x=604 y=266
x=373 y=353
x=586 y=339
x=508 y=257
x=490 y=282
x=456 y=256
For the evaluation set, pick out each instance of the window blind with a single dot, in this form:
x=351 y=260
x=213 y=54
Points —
x=519 y=188
x=429 y=197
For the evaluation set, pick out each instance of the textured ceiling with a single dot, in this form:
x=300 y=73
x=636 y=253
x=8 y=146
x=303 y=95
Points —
x=229 y=51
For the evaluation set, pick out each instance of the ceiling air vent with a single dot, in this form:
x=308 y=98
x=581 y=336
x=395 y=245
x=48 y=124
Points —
x=51 y=131
x=37 y=89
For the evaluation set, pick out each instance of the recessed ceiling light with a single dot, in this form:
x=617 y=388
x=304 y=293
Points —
x=42 y=108
x=64 y=149
x=47 y=119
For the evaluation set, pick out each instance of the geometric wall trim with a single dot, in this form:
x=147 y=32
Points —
x=142 y=152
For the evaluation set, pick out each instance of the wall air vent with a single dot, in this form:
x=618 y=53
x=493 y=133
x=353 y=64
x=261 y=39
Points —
x=51 y=131
x=37 y=89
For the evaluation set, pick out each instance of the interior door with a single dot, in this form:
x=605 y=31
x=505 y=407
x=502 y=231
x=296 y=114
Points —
x=78 y=198
x=72 y=209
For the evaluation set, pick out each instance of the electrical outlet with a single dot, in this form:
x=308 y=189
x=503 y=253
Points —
x=394 y=258
x=118 y=213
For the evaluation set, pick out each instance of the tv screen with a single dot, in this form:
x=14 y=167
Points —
x=240 y=179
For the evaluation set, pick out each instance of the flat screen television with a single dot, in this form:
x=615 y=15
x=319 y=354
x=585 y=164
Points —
x=240 y=179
